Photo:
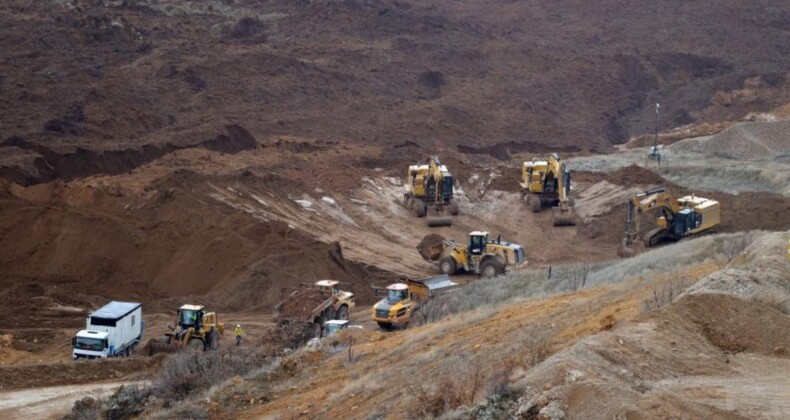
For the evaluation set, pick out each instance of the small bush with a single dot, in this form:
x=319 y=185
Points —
x=88 y=408
x=664 y=292
x=127 y=402
x=188 y=372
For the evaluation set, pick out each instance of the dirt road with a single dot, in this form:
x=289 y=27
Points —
x=51 y=402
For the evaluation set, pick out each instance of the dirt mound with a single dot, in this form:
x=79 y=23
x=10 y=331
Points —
x=763 y=140
x=66 y=373
x=635 y=175
x=736 y=325
x=176 y=243
x=301 y=303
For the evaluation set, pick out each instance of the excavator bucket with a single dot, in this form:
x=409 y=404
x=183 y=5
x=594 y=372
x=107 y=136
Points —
x=439 y=217
x=625 y=251
x=563 y=215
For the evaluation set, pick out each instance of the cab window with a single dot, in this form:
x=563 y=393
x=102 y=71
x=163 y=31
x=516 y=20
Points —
x=396 y=295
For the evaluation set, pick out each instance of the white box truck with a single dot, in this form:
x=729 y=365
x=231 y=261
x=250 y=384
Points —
x=113 y=330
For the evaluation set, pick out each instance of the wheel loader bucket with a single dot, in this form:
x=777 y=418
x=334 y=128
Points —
x=438 y=217
x=431 y=247
x=157 y=346
x=560 y=217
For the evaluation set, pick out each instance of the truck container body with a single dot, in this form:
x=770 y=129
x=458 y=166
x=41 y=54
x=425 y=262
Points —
x=113 y=330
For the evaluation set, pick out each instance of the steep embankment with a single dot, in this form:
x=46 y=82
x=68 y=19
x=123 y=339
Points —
x=600 y=352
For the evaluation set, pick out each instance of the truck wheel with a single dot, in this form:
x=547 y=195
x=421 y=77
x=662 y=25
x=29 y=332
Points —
x=491 y=268
x=447 y=265
x=342 y=313
x=315 y=330
x=196 y=344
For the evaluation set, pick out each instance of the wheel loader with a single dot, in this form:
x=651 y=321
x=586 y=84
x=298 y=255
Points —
x=404 y=300
x=430 y=193
x=547 y=182
x=483 y=256
x=675 y=218
x=195 y=329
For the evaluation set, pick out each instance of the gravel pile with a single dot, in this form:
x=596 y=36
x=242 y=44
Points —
x=754 y=141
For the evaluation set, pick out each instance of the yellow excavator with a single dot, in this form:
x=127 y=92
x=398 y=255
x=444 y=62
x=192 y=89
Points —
x=484 y=256
x=547 y=182
x=675 y=218
x=430 y=193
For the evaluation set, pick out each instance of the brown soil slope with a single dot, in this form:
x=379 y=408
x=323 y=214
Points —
x=102 y=87
x=174 y=243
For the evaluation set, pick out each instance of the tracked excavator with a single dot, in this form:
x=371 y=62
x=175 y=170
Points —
x=430 y=193
x=484 y=256
x=675 y=218
x=547 y=182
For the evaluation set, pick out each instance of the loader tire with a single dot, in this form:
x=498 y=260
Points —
x=454 y=209
x=342 y=313
x=419 y=207
x=196 y=344
x=447 y=266
x=491 y=268
x=213 y=337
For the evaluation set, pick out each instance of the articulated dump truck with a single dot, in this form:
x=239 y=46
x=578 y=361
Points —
x=313 y=304
x=405 y=300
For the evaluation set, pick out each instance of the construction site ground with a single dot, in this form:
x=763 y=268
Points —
x=223 y=152
x=225 y=230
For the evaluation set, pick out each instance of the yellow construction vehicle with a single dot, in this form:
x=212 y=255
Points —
x=313 y=304
x=488 y=258
x=430 y=193
x=194 y=328
x=675 y=218
x=404 y=300
x=547 y=182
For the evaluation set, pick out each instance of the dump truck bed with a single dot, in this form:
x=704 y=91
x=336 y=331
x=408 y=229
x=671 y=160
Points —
x=304 y=305
x=431 y=286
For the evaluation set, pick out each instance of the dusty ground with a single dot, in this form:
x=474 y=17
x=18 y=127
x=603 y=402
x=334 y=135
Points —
x=223 y=152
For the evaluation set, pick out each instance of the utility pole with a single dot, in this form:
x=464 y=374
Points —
x=655 y=153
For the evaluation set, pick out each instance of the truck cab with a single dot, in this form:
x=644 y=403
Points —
x=114 y=330
x=90 y=344
x=334 y=326
x=395 y=308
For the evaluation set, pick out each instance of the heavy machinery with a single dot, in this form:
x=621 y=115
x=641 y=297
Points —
x=484 y=256
x=430 y=193
x=547 y=182
x=314 y=304
x=403 y=300
x=675 y=218
x=195 y=329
